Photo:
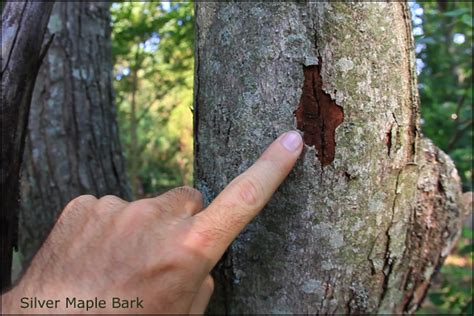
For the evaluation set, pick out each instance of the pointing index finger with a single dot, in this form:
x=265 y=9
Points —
x=245 y=196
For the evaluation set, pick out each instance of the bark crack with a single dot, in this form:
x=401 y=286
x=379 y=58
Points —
x=68 y=69
x=388 y=260
x=369 y=256
x=413 y=98
x=392 y=136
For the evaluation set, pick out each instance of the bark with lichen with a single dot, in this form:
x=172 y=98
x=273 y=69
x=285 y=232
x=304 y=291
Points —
x=361 y=232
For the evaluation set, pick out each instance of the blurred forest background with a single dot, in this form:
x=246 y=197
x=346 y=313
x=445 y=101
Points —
x=153 y=69
x=153 y=56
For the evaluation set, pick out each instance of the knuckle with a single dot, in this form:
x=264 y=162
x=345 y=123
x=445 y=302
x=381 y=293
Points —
x=192 y=192
x=250 y=191
x=209 y=283
x=111 y=199
x=109 y=202
x=193 y=199
x=147 y=206
x=80 y=203
x=75 y=210
x=187 y=193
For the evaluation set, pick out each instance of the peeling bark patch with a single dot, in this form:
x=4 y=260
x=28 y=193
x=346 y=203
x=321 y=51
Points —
x=318 y=116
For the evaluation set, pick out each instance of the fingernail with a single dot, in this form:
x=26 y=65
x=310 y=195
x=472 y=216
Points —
x=291 y=140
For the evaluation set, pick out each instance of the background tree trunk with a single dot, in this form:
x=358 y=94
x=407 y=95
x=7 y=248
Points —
x=369 y=212
x=23 y=28
x=73 y=145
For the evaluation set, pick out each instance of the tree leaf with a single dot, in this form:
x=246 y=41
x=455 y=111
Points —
x=457 y=12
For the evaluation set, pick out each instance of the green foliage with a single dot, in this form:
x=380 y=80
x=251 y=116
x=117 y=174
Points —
x=153 y=63
x=452 y=290
x=444 y=48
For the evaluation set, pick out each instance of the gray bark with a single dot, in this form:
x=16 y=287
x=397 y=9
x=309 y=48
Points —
x=361 y=233
x=23 y=28
x=73 y=145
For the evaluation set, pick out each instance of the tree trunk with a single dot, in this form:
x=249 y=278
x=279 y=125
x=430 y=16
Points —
x=371 y=209
x=23 y=28
x=73 y=145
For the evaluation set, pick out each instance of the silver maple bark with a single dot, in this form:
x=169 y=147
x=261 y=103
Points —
x=363 y=234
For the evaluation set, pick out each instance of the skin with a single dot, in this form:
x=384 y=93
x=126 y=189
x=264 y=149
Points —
x=159 y=249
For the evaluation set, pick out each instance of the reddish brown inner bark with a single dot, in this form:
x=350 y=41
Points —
x=318 y=115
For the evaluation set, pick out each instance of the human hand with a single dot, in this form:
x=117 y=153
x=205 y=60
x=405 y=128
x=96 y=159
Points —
x=157 y=252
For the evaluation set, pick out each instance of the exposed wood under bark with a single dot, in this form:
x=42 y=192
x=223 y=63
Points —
x=23 y=28
x=318 y=116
